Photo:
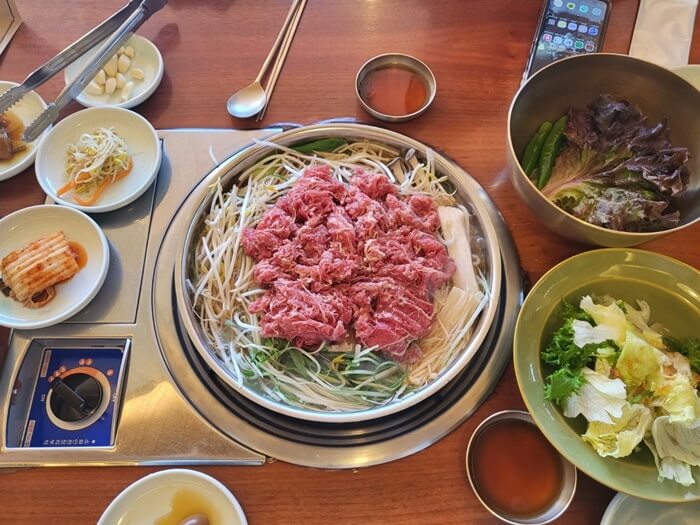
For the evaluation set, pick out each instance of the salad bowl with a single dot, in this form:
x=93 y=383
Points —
x=672 y=292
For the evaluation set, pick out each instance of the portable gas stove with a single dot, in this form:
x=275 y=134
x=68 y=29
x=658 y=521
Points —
x=121 y=384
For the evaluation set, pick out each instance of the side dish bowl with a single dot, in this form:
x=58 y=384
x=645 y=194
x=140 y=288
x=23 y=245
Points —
x=150 y=498
x=143 y=146
x=25 y=226
x=561 y=500
x=578 y=80
x=670 y=289
x=147 y=58
x=27 y=109
x=418 y=68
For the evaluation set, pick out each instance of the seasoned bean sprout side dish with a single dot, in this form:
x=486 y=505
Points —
x=337 y=276
x=98 y=159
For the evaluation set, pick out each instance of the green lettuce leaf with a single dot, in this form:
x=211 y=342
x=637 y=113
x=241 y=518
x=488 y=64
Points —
x=619 y=438
x=561 y=384
x=616 y=171
x=599 y=398
x=689 y=348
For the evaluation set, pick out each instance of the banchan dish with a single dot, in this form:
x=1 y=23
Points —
x=467 y=193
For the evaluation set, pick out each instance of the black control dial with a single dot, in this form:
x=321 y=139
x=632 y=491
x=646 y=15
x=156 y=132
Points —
x=75 y=396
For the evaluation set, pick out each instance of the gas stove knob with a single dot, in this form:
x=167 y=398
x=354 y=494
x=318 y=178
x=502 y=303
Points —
x=77 y=398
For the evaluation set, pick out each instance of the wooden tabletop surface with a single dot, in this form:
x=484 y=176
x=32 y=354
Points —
x=477 y=50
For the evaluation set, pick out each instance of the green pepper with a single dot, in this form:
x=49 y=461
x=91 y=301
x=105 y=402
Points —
x=550 y=148
x=534 y=147
x=320 y=145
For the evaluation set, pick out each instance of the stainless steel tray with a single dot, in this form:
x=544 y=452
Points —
x=157 y=425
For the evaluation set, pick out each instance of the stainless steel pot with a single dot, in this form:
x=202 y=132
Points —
x=578 y=80
x=468 y=192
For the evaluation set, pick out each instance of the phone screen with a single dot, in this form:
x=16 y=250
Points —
x=568 y=28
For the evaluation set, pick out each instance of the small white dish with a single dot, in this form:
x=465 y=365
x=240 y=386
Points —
x=151 y=497
x=147 y=57
x=24 y=226
x=141 y=139
x=27 y=109
x=627 y=509
x=689 y=73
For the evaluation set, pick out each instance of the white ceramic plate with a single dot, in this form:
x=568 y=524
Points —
x=27 y=109
x=624 y=509
x=24 y=226
x=689 y=73
x=150 y=498
x=140 y=137
x=147 y=58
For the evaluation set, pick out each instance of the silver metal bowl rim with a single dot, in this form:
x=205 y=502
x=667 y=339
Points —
x=522 y=415
x=431 y=84
x=637 y=237
x=228 y=168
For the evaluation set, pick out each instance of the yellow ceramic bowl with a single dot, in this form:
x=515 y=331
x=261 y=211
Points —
x=672 y=290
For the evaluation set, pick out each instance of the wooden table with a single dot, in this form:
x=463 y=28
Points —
x=478 y=50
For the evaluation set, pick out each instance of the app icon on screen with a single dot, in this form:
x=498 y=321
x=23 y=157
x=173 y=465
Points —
x=572 y=26
x=568 y=42
x=547 y=37
x=582 y=28
x=578 y=44
x=596 y=11
x=593 y=30
x=590 y=46
x=558 y=40
x=583 y=8
x=571 y=6
x=561 y=23
x=558 y=3
x=551 y=21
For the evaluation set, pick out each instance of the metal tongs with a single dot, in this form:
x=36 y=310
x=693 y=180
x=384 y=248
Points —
x=121 y=25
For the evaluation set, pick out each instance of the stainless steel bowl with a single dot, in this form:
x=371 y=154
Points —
x=468 y=193
x=576 y=81
x=566 y=492
x=396 y=59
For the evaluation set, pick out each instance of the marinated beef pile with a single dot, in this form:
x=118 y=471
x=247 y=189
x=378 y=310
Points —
x=342 y=260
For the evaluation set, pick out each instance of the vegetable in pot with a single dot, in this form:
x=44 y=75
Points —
x=616 y=170
x=531 y=156
x=550 y=148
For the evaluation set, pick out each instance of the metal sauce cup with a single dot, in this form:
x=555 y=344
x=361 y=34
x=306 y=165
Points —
x=400 y=60
x=566 y=491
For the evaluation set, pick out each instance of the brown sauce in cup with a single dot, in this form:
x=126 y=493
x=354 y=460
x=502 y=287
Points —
x=394 y=90
x=515 y=469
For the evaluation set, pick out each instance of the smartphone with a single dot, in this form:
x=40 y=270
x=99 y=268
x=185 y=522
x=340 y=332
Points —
x=568 y=28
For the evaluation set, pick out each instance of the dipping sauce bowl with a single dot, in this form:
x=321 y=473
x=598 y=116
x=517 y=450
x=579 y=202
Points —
x=516 y=473
x=395 y=87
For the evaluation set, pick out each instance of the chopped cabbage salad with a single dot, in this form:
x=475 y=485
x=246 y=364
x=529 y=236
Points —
x=632 y=382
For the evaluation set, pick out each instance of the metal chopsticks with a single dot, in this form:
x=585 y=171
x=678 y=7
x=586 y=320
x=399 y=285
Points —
x=121 y=29
x=281 y=57
x=67 y=56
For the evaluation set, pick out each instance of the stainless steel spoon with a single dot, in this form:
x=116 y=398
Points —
x=251 y=99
